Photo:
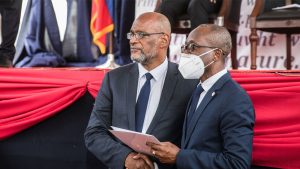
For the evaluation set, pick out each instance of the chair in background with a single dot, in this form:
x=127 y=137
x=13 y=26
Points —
x=285 y=21
x=228 y=16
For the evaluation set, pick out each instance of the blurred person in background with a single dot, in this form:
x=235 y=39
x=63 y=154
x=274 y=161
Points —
x=10 y=11
x=197 y=10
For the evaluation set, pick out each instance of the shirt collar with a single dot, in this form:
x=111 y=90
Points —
x=208 y=83
x=157 y=72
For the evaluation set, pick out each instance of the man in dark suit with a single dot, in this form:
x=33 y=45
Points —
x=122 y=100
x=197 y=10
x=218 y=127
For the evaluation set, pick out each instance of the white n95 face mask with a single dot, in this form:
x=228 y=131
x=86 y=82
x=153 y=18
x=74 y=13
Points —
x=191 y=66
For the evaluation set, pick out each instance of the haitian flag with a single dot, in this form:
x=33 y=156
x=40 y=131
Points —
x=101 y=22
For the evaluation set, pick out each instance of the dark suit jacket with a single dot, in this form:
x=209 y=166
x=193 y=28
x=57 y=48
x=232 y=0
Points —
x=115 y=106
x=221 y=131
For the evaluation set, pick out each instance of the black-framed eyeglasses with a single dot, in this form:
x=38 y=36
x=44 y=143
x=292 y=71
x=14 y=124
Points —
x=191 y=47
x=140 y=35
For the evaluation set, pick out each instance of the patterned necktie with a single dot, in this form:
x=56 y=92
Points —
x=141 y=104
x=194 y=102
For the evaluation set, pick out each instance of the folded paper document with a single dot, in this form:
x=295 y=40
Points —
x=135 y=140
x=291 y=6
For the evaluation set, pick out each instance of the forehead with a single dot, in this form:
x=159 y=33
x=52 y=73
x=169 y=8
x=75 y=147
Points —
x=196 y=37
x=143 y=26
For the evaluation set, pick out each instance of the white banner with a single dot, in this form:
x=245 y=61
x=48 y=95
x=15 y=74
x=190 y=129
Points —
x=271 y=51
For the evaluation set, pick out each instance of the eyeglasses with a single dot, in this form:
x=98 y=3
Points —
x=191 y=47
x=140 y=35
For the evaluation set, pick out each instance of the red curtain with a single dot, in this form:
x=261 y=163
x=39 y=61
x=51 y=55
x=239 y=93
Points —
x=276 y=98
x=29 y=96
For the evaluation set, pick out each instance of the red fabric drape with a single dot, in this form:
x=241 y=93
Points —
x=276 y=98
x=28 y=96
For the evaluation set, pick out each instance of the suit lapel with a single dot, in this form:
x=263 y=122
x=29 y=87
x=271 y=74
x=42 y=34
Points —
x=167 y=92
x=185 y=123
x=206 y=100
x=197 y=114
x=131 y=88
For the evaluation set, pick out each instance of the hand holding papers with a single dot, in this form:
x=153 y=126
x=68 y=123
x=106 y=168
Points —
x=135 y=140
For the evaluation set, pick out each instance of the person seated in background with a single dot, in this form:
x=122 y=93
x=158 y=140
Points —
x=218 y=126
x=10 y=11
x=148 y=96
x=197 y=10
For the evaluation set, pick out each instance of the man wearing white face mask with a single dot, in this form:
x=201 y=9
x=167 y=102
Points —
x=218 y=127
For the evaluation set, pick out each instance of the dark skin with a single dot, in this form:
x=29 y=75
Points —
x=154 y=48
x=199 y=36
x=166 y=152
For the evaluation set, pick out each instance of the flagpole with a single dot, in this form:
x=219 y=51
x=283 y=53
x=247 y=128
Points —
x=110 y=62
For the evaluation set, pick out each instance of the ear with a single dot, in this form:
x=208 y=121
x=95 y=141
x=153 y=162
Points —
x=218 y=55
x=164 y=41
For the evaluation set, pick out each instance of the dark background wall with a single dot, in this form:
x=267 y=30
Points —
x=56 y=143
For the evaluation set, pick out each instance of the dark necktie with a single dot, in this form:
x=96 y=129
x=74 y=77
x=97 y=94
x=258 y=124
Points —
x=141 y=104
x=194 y=102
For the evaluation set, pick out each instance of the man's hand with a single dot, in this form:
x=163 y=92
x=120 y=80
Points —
x=166 y=152
x=138 y=161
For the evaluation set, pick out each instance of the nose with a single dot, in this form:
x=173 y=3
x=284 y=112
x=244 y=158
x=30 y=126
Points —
x=133 y=40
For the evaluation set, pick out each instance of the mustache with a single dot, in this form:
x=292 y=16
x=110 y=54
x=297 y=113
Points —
x=136 y=48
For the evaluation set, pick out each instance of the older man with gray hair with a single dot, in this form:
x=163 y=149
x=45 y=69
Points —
x=148 y=96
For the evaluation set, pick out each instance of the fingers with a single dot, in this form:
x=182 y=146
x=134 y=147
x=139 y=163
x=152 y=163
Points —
x=144 y=161
x=155 y=147
x=147 y=166
x=150 y=144
x=145 y=158
x=166 y=152
x=144 y=164
x=158 y=154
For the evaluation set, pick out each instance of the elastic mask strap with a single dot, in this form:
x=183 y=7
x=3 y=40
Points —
x=207 y=53
x=209 y=64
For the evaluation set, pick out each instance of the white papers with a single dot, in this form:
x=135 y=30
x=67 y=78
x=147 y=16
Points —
x=135 y=140
x=291 y=6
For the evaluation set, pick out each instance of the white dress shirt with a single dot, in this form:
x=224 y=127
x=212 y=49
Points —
x=157 y=83
x=208 y=83
x=61 y=12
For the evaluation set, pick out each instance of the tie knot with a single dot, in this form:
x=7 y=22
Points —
x=148 y=76
x=199 y=90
